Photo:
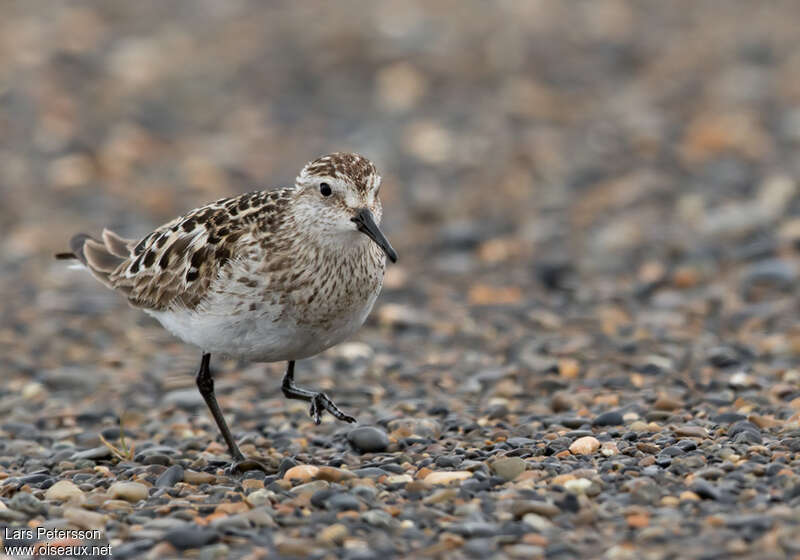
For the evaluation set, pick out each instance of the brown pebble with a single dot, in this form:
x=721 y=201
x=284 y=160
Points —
x=333 y=474
x=691 y=431
x=667 y=403
x=584 y=445
x=301 y=473
x=194 y=477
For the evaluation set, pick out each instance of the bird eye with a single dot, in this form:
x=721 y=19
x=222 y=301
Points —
x=325 y=189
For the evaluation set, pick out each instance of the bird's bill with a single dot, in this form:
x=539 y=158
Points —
x=366 y=224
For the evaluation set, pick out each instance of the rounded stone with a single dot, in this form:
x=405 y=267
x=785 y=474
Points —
x=584 y=446
x=509 y=468
x=446 y=477
x=128 y=491
x=64 y=491
x=192 y=537
x=611 y=418
x=302 y=473
x=368 y=439
x=170 y=477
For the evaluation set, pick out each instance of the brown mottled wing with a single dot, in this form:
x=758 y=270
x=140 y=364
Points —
x=174 y=266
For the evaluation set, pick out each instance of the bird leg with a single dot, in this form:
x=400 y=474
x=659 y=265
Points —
x=205 y=383
x=319 y=401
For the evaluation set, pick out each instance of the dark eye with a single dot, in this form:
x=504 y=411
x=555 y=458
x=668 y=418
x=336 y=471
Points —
x=325 y=189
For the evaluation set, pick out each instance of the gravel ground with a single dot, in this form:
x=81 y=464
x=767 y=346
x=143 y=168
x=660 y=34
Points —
x=589 y=347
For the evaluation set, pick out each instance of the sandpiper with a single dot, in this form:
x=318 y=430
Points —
x=266 y=276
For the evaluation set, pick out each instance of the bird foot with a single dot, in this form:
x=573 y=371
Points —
x=321 y=402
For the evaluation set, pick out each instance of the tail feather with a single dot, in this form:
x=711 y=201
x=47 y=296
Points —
x=101 y=258
x=76 y=245
x=116 y=245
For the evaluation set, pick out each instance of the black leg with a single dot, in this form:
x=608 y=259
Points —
x=206 y=385
x=319 y=401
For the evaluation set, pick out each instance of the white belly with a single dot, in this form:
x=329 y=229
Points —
x=265 y=335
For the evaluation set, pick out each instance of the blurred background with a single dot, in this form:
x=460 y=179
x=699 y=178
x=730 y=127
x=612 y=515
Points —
x=594 y=202
x=535 y=154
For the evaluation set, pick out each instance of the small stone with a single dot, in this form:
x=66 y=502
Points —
x=691 y=431
x=569 y=368
x=399 y=479
x=194 y=477
x=609 y=449
x=333 y=534
x=65 y=491
x=343 y=502
x=521 y=507
x=128 y=491
x=288 y=546
x=509 y=468
x=441 y=495
x=332 y=474
x=584 y=446
x=85 y=519
x=310 y=487
x=446 y=477
x=170 y=477
x=27 y=503
x=705 y=490
x=368 y=439
x=259 y=497
x=771 y=274
x=301 y=473
x=610 y=418
x=667 y=403
x=537 y=522
x=101 y=452
x=578 y=486
x=190 y=537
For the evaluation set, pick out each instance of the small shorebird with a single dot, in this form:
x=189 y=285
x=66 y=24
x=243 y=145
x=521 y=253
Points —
x=266 y=276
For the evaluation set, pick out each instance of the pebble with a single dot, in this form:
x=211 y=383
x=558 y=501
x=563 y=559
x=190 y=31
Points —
x=301 y=473
x=101 y=452
x=310 y=487
x=65 y=491
x=521 y=507
x=190 y=537
x=259 y=497
x=584 y=446
x=343 y=502
x=170 y=477
x=27 y=503
x=128 y=491
x=368 y=439
x=509 y=468
x=333 y=534
x=194 y=477
x=85 y=519
x=446 y=477
x=611 y=418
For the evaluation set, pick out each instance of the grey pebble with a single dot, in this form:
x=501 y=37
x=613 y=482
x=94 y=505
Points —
x=100 y=452
x=705 y=490
x=27 y=503
x=343 y=502
x=170 y=477
x=610 y=418
x=368 y=439
x=190 y=537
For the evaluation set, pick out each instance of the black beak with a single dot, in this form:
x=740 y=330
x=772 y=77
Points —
x=366 y=225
